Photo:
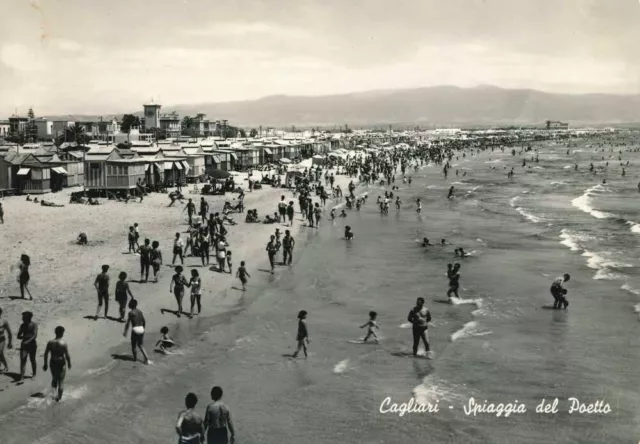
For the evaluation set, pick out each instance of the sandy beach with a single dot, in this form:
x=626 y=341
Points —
x=63 y=272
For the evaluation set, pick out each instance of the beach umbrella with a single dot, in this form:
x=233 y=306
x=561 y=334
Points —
x=285 y=160
x=220 y=174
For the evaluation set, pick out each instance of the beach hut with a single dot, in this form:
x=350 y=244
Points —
x=24 y=173
x=317 y=160
x=107 y=169
x=67 y=168
x=196 y=162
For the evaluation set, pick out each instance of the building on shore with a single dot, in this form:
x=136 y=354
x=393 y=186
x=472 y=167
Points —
x=110 y=168
x=556 y=125
x=24 y=173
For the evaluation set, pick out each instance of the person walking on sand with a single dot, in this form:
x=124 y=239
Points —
x=559 y=292
x=23 y=276
x=131 y=237
x=102 y=287
x=217 y=420
x=453 y=273
x=28 y=332
x=60 y=360
x=419 y=316
x=145 y=260
x=191 y=209
x=156 y=259
x=221 y=253
x=176 y=286
x=122 y=293
x=204 y=209
x=271 y=252
x=6 y=340
x=288 y=242
x=290 y=212
x=178 y=250
x=243 y=274
x=195 y=283
x=190 y=427
x=317 y=212
x=303 y=335
x=138 y=325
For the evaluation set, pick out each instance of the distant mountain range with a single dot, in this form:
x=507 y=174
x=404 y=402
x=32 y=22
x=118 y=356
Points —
x=432 y=106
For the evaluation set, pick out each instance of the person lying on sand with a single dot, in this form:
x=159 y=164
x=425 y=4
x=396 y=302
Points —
x=46 y=203
x=271 y=219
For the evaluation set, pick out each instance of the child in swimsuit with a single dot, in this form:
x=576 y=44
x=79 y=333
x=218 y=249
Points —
x=166 y=341
x=371 y=324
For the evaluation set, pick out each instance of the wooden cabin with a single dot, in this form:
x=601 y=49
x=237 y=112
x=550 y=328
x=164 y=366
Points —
x=196 y=160
x=107 y=169
x=24 y=173
x=67 y=168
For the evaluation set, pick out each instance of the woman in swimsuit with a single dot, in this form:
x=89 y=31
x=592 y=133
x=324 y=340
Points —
x=176 y=287
x=23 y=277
x=156 y=258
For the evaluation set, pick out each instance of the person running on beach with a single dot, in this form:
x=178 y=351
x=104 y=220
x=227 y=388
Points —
x=303 y=335
x=419 y=316
x=156 y=259
x=178 y=250
x=60 y=360
x=102 y=287
x=5 y=332
x=190 y=427
x=165 y=342
x=176 y=286
x=371 y=324
x=454 y=280
x=271 y=252
x=145 y=260
x=287 y=248
x=23 y=277
x=122 y=293
x=217 y=420
x=243 y=274
x=175 y=195
x=138 y=325
x=559 y=292
x=28 y=332
x=195 y=283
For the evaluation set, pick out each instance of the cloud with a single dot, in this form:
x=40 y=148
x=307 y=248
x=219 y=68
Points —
x=21 y=58
x=65 y=45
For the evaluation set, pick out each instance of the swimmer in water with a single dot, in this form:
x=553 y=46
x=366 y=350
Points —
x=343 y=214
x=443 y=242
x=419 y=204
x=450 y=195
x=398 y=203
x=371 y=324
x=332 y=215
x=454 y=280
x=425 y=242
x=348 y=234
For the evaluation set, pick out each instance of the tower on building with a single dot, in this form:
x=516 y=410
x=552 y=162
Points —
x=151 y=115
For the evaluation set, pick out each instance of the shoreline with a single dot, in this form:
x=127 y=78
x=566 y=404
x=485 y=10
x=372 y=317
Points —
x=93 y=344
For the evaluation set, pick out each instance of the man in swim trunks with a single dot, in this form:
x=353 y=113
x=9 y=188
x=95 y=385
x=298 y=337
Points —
x=102 y=287
x=5 y=332
x=419 y=316
x=59 y=357
x=28 y=332
x=138 y=324
x=559 y=292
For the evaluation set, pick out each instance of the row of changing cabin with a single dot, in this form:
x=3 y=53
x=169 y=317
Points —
x=106 y=167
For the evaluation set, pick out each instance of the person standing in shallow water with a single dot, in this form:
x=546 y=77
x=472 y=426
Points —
x=217 y=420
x=419 y=316
x=190 y=427
x=60 y=360
x=138 y=324
x=303 y=334
x=28 y=332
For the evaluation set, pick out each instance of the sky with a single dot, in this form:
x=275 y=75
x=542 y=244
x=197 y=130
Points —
x=100 y=57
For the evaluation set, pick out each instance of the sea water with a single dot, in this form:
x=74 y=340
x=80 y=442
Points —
x=498 y=344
